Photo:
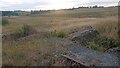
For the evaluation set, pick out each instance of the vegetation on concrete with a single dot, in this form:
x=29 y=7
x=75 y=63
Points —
x=94 y=46
x=103 y=43
x=107 y=42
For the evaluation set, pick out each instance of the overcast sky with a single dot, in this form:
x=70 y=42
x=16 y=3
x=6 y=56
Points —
x=51 y=4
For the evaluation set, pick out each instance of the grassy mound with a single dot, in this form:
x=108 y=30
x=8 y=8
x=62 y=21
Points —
x=25 y=30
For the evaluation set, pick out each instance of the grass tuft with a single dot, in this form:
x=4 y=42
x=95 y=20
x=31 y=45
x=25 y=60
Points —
x=107 y=42
x=103 y=43
x=25 y=30
x=60 y=34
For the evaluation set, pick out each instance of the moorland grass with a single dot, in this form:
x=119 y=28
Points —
x=34 y=51
x=108 y=27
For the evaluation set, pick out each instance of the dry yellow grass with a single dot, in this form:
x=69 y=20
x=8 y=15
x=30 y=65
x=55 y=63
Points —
x=108 y=27
x=33 y=51
x=36 y=50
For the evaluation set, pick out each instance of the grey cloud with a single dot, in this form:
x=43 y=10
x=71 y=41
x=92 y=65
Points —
x=99 y=3
x=26 y=5
x=95 y=3
x=31 y=4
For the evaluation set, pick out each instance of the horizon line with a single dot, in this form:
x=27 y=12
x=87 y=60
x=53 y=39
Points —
x=61 y=8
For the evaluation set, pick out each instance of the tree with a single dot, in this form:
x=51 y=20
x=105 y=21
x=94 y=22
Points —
x=95 y=6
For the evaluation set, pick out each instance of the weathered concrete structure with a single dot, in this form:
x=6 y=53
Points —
x=85 y=56
x=89 y=57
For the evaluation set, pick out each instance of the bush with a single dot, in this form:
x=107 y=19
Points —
x=106 y=42
x=4 y=21
x=56 y=34
x=25 y=30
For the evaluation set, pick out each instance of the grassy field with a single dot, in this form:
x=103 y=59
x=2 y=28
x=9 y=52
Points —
x=40 y=49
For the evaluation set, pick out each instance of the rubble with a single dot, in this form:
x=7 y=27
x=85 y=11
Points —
x=89 y=57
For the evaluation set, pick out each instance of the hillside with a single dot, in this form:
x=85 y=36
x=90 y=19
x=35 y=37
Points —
x=36 y=39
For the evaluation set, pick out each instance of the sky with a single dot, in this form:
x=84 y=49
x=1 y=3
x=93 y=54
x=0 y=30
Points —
x=51 y=4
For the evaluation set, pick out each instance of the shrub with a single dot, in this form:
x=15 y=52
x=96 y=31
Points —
x=25 y=30
x=4 y=21
x=56 y=34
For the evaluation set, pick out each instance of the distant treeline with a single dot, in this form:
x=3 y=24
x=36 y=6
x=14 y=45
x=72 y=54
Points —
x=23 y=13
x=26 y=13
x=14 y=13
x=9 y=13
x=91 y=7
